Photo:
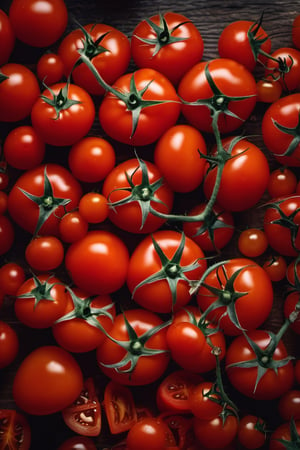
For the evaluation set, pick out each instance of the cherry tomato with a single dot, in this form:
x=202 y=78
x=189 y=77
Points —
x=268 y=90
x=149 y=433
x=9 y=345
x=15 y=431
x=93 y=207
x=12 y=275
x=216 y=433
x=283 y=432
x=252 y=242
x=78 y=443
x=289 y=405
x=285 y=66
x=44 y=253
x=50 y=68
x=282 y=181
x=204 y=402
x=251 y=432
x=72 y=227
x=7 y=38
x=296 y=31
x=275 y=266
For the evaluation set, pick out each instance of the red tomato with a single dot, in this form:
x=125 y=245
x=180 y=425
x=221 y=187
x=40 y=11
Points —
x=269 y=383
x=205 y=403
x=252 y=432
x=15 y=430
x=268 y=90
x=78 y=443
x=147 y=352
x=160 y=41
x=239 y=295
x=7 y=38
x=91 y=159
x=283 y=432
x=297 y=371
x=231 y=81
x=63 y=114
x=12 y=275
x=23 y=148
x=40 y=301
x=107 y=48
x=9 y=345
x=3 y=202
x=213 y=433
x=93 y=207
x=252 y=242
x=83 y=416
x=275 y=266
x=244 y=178
x=119 y=406
x=39 y=24
x=162 y=268
x=44 y=253
x=284 y=65
x=50 y=68
x=18 y=92
x=150 y=433
x=40 y=196
x=98 y=262
x=296 y=31
x=138 y=122
x=289 y=405
x=132 y=189
x=47 y=380
x=282 y=181
x=178 y=156
x=72 y=227
x=80 y=328
x=242 y=40
x=7 y=234
x=182 y=429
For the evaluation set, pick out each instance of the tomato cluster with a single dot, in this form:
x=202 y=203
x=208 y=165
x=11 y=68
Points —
x=137 y=294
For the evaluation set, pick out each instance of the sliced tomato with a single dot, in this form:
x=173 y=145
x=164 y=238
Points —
x=119 y=407
x=182 y=428
x=15 y=433
x=84 y=415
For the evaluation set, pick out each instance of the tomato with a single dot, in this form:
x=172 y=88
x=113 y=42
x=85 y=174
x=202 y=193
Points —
x=161 y=269
x=280 y=130
x=12 y=275
x=7 y=38
x=282 y=181
x=297 y=371
x=293 y=273
x=91 y=159
x=243 y=41
x=252 y=242
x=40 y=301
x=44 y=253
x=182 y=429
x=63 y=114
x=244 y=177
x=160 y=41
x=78 y=443
x=9 y=344
x=144 y=112
x=284 y=65
x=15 y=430
x=83 y=416
x=23 y=148
x=295 y=31
x=268 y=89
x=47 y=380
x=252 y=432
x=7 y=234
x=81 y=326
x=215 y=434
x=39 y=24
x=4 y=179
x=40 y=196
x=133 y=188
x=149 y=433
x=289 y=405
x=72 y=227
x=19 y=90
x=281 y=224
x=107 y=48
x=3 y=202
x=173 y=392
x=205 y=402
x=50 y=68
x=275 y=266
x=284 y=432
x=119 y=406
x=145 y=357
x=237 y=295
x=98 y=262
x=93 y=207
x=290 y=306
x=215 y=232
x=178 y=156
x=270 y=382
x=231 y=83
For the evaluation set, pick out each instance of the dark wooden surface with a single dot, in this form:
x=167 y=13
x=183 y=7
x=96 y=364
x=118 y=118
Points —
x=210 y=16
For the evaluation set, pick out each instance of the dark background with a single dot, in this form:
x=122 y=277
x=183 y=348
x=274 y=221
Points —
x=210 y=17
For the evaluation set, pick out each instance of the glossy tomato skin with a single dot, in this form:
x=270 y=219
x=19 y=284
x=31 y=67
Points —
x=144 y=262
x=129 y=216
x=283 y=432
x=150 y=433
x=7 y=37
x=285 y=113
x=98 y=262
x=213 y=433
x=44 y=253
x=272 y=385
x=47 y=380
x=110 y=63
x=50 y=68
x=77 y=443
x=289 y=79
x=15 y=430
x=189 y=49
x=250 y=432
x=244 y=177
x=282 y=181
x=9 y=344
x=38 y=24
x=70 y=124
x=12 y=275
x=232 y=79
x=18 y=92
x=148 y=368
x=289 y=405
x=153 y=120
x=177 y=155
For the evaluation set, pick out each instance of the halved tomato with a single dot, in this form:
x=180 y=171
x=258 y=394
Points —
x=15 y=433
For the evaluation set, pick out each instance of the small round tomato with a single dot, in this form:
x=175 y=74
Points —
x=296 y=31
x=12 y=275
x=268 y=90
x=9 y=344
x=205 y=403
x=284 y=433
x=284 y=65
x=93 y=207
x=50 y=68
x=72 y=227
x=38 y=24
x=150 y=433
x=44 y=253
x=275 y=266
x=289 y=405
x=7 y=234
x=15 y=430
x=252 y=242
x=297 y=371
x=7 y=38
x=91 y=159
x=252 y=432
x=282 y=181
x=217 y=432
x=47 y=380
x=77 y=443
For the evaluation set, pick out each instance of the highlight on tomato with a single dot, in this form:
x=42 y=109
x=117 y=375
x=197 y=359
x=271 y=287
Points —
x=9 y=342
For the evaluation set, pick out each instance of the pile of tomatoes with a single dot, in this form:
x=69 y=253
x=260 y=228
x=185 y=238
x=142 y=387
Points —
x=135 y=292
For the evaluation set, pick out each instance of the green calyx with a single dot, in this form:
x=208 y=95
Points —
x=46 y=203
x=83 y=310
x=143 y=194
x=292 y=131
x=60 y=101
x=135 y=347
x=171 y=270
x=91 y=48
x=3 y=77
x=163 y=34
x=41 y=291
x=255 y=40
x=294 y=442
